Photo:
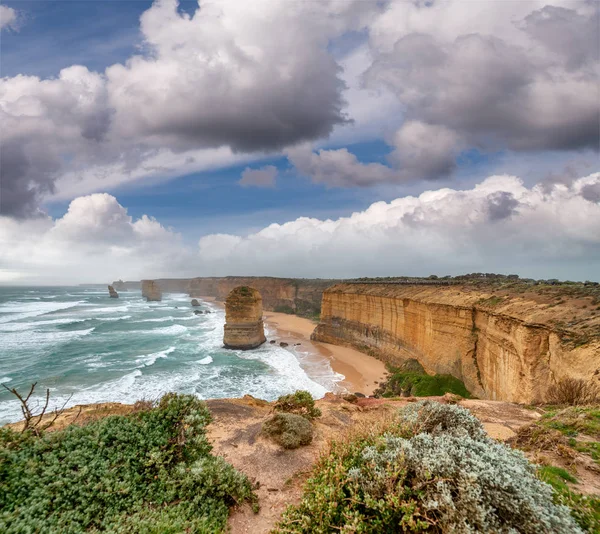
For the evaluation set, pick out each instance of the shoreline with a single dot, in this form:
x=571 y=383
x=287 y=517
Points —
x=362 y=373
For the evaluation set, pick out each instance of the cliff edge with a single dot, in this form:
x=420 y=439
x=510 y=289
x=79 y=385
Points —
x=502 y=345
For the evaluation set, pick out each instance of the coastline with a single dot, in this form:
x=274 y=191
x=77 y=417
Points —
x=362 y=372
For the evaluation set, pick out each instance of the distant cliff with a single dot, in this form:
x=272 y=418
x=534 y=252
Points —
x=292 y=295
x=502 y=347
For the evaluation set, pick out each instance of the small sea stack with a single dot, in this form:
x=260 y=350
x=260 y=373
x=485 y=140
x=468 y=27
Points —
x=243 y=319
x=195 y=302
x=151 y=291
x=112 y=293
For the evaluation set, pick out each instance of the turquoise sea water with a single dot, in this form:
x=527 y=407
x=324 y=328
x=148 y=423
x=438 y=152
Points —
x=82 y=344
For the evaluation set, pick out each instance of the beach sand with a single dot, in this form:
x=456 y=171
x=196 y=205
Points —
x=362 y=372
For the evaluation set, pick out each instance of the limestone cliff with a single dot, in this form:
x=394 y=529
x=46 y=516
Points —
x=503 y=348
x=279 y=294
x=151 y=290
x=112 y=293
x=243 y=319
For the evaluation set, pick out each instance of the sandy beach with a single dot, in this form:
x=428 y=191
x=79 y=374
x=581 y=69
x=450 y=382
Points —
x=362 y=372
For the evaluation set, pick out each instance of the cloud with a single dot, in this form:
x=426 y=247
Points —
x=236 y=80
x=500 y=225
x=8 y=18
x=224 y=79
x=263 y=177
x=508 y=76
x=95 y=240
x=337 y=167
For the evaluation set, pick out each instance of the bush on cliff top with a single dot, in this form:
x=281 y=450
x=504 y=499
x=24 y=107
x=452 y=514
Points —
x=149 y=472
x=440 y=480
x=401 y=383
x=299 y=403
x=289 y=430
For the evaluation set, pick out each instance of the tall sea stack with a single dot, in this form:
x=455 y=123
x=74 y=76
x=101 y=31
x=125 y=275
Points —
x=243 y=319
x=112 y=293
x=151 y=291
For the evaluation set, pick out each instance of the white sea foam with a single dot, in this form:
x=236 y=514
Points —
x=36 y=339
x=148 y=359
x=205 y=361
x=111 y=309
x=24 y=310
x=5 y=379
x=121 y=318
x=174 y=330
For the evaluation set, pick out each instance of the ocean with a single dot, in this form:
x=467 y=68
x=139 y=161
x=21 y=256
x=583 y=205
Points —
x=87 y=348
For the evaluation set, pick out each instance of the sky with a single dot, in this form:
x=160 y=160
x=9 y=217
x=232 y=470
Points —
x=333 y=139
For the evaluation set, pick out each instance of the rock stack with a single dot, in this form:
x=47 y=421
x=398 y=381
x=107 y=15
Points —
x=151 y=291
x=112 y=293
x=243 y=319
x=195 y=302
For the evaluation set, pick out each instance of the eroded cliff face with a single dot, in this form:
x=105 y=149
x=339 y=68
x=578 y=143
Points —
x=508 y=351
x=243 y=319
x=151 y=290
x=278 y=294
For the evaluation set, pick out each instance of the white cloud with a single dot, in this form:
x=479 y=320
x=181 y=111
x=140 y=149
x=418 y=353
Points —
x=500 y=225
x=8 y=18
x=95 y=240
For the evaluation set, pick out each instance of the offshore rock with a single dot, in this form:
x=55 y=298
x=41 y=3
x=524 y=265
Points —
x=195 y=302
x=243 y=319
x=112 y=293
x=151 y=291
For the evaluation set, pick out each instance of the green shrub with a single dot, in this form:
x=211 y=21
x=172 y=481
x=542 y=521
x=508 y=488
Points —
x=300 y=403
x=444 y=481
x=414 y=382
x=150 y=471
x=584 y=508
x=289 y=430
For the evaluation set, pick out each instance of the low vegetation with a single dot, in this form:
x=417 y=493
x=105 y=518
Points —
x=566 y=436
x=412 y=380
x=431 y=470
x=299 y=403
x=289 y=430
x=148 y=472
x=574 y=392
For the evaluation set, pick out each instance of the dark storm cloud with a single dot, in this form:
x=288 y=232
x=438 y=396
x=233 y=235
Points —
x=591 y=192
x=501 y=205
x=23 y=178
x=497 y=93
x=566 y=33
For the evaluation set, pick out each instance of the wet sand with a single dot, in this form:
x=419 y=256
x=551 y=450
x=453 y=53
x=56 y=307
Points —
x=362 y=372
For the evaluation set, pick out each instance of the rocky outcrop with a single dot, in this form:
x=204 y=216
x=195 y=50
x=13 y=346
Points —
x=295 y=295
x=243 y=319
x=151 y=290
x=195 y=302
x=112 y=293
x=504 y=351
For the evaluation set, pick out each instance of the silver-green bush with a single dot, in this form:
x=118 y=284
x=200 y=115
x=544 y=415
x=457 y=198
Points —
x=436 y=419
x=467 y=485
